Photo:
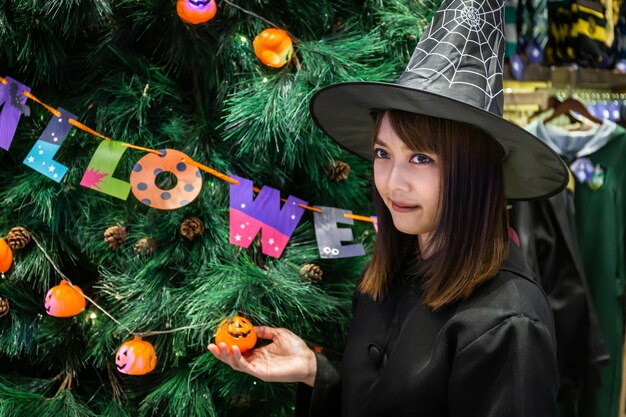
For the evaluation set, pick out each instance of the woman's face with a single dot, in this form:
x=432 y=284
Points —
x=408 y=182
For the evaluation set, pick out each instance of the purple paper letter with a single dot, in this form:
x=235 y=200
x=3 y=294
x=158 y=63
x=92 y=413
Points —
x=40 y=156
x=248 y=216
x=14 y=106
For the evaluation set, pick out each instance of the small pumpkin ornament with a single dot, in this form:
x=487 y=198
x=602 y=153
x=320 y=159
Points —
x=196 y=11
x=65 y=300
x=236 y=332
x=136 y=357
x=6 y=256
x=273 y=47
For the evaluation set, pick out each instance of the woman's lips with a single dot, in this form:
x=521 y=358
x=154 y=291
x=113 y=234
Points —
x=403 y=207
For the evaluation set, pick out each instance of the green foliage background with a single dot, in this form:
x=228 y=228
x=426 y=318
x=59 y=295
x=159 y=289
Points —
x=138 y=74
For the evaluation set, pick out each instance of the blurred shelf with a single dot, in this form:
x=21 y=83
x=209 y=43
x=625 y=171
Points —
x=571 y=77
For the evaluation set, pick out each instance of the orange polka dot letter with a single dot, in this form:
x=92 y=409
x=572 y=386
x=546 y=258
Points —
x=143 y=180
x=248 y=216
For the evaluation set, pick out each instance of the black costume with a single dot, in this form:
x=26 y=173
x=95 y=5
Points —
x=547 y=232
x=493 y=354
x=490 y=355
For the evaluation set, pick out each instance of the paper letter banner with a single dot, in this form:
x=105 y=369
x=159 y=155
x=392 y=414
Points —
x=143 y=180
x=40 y=156
x=99 y=173
x=14 y=106
x=248 y=216
x=329 y=237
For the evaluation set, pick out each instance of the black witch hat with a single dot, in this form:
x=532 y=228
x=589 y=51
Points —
x=455 y=73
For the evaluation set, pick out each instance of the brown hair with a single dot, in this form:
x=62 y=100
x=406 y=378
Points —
x=470 y=241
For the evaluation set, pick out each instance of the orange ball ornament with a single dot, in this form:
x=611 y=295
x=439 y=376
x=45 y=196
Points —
x=236 y=332
x=65 y=300
x=6 y=256
x=273 y=47
x=136 y=357
x=196 y=11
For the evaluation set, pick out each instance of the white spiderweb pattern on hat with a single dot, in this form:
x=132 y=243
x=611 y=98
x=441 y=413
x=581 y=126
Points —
x=462 y=46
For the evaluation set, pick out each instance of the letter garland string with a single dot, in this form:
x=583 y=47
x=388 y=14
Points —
x=247 y=215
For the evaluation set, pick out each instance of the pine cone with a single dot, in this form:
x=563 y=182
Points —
x=18 y=237
x=312 y=273
x=145 y=246
x=115 y=236
x=191 y=228
x=338 y=25
x=4 y=306
x=339 y=171
x=243 y=401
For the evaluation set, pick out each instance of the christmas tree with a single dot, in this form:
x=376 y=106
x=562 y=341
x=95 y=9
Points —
x=141 y=73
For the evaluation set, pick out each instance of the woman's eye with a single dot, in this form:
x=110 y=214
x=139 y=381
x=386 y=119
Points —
x=379 y=153
x=421 y=159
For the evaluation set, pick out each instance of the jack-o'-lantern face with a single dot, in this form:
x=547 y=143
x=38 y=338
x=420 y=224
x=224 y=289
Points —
x=196 y=11
x=135 y=357
x=238 y=331
x=65 y=300
x=6 y=256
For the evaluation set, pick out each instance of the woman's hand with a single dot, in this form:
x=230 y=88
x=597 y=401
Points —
x=286 y=359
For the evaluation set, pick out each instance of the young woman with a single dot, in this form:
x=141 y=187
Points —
x=447 y=319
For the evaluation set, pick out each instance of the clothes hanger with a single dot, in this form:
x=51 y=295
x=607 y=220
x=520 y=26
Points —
x=567 y=106
x=553 y=101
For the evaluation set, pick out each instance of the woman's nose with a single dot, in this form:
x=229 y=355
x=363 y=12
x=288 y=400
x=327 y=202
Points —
x=398 y=177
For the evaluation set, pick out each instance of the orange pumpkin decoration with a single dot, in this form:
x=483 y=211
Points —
x=6 y=256
x=136 y=357
x=196 y=11
x=65 y=300
x=273 y=47
x=236 y=332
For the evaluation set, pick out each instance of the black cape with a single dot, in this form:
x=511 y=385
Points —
x=547 y=232
x=491 y=355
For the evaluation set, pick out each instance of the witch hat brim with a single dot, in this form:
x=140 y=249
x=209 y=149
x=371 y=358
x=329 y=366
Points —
x=343 y=111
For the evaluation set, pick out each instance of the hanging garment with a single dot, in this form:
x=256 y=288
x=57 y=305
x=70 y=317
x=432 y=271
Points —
x=510 y=28
x=547 y=234
x=534 y=22
x=582 y=32
x=559 y=14
x=590 y=33
x=600 y=203
x=620 y=33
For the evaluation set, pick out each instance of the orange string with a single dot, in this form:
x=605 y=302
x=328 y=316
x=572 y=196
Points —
x=308 y=208
x=140 y=148
x=211 y=171
x=357 y=217
x=35 y=99
x=81 y=126
x=304 y=207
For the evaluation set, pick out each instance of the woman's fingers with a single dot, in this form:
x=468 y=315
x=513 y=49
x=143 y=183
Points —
x=220 y=352
x=235 y=359
x=266 y=332
x=239 y=361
